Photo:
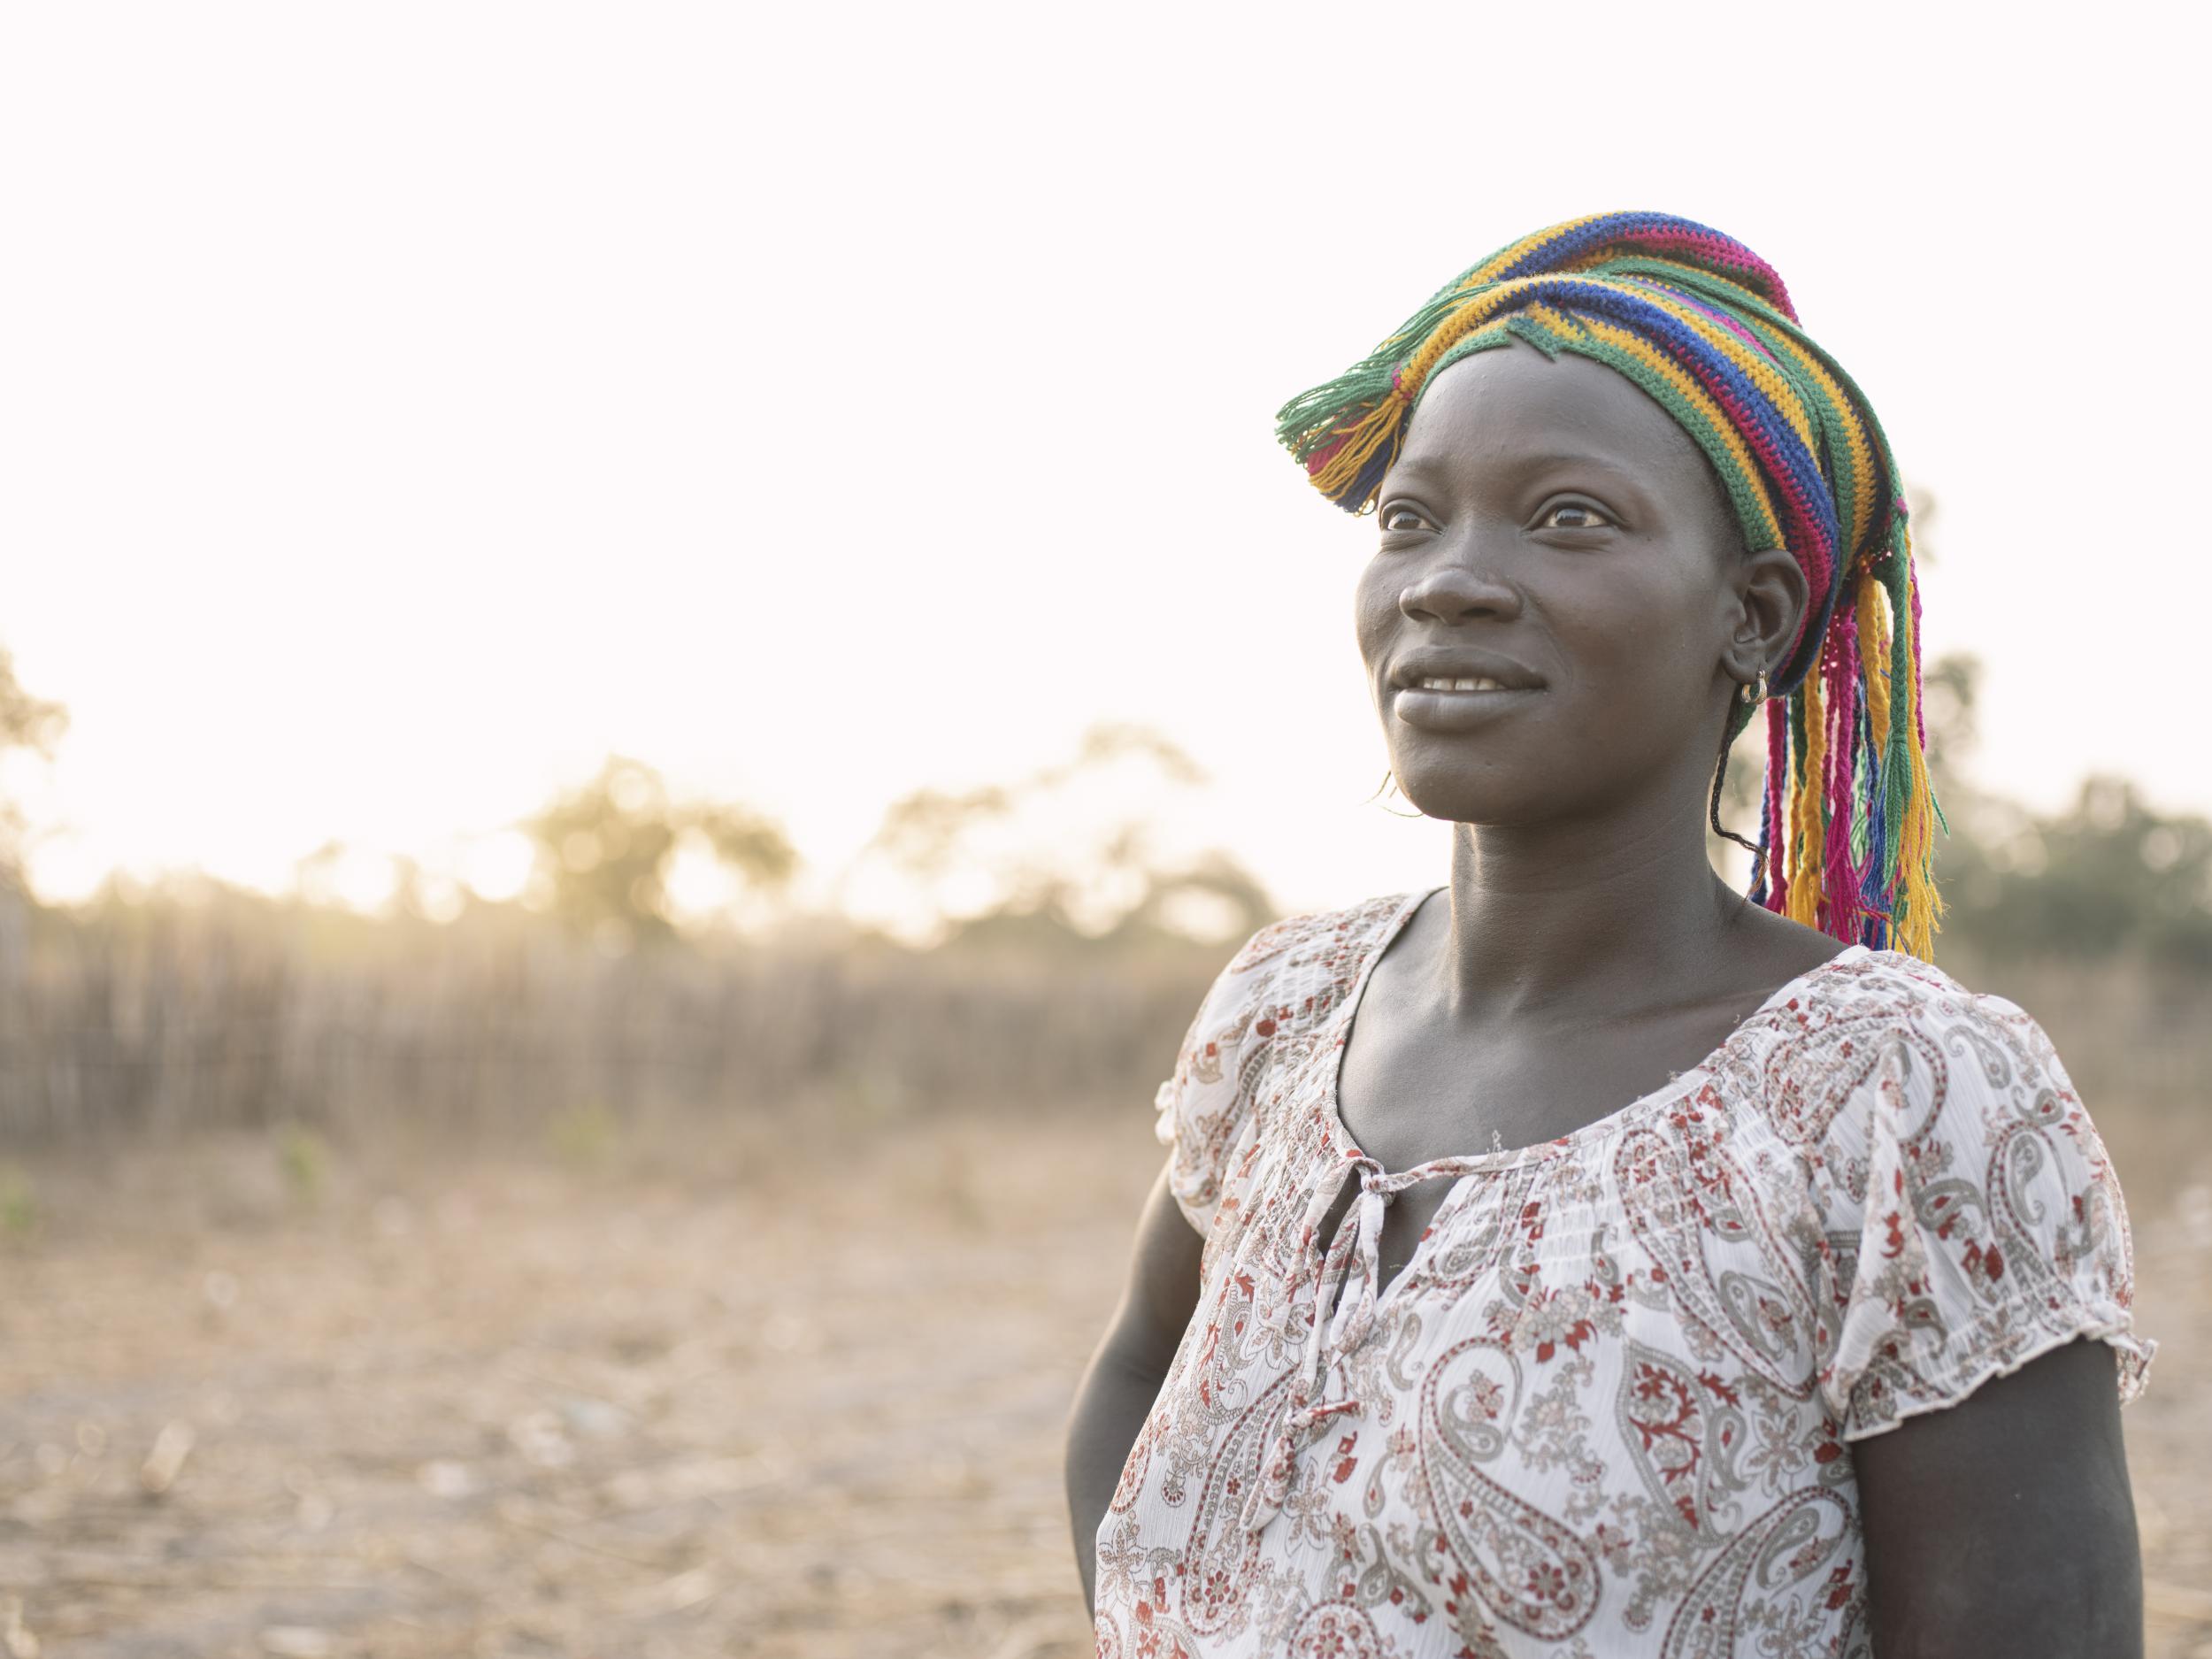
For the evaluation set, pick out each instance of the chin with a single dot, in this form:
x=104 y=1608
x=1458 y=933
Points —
x=1451 y=794
x=1469 y=778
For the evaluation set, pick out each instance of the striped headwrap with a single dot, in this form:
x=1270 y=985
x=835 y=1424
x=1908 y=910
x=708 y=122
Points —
x=1703 y=325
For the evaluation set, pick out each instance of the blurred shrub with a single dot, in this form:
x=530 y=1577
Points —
x=605 y=851
x=584 y=1136
x=2107 y=878
x=304 y=1158
x=19 y=1208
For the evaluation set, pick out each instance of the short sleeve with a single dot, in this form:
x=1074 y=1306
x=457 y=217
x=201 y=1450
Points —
x=1205 y=1107
x=1973 y=1219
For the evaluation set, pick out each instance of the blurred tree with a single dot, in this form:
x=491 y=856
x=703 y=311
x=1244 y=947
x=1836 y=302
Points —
x=604 y=852
x=1213 y=898
x=1068 y=857
x=925 y=833
x=27 y=724
x=2107 y=875
x=1950 y=697
x=26 y=721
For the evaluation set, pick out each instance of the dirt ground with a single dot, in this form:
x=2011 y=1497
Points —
x=266 y=1398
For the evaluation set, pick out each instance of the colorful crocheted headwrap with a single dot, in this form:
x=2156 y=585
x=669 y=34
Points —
x=1705 y=326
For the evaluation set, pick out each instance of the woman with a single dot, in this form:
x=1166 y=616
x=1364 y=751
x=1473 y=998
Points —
x=1432 y=1346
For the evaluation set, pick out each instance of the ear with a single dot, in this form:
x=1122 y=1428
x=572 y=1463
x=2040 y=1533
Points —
x=1771 y=598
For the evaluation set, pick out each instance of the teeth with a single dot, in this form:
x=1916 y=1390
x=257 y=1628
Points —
x=1481 y=683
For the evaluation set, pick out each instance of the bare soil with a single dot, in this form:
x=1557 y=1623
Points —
x=715 y=1396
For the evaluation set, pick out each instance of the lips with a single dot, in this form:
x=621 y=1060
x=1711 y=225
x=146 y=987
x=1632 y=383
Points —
x=1479 y=682
x=1457 y=691
x=1457 y=671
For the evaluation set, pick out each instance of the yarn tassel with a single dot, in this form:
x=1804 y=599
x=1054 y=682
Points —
x=1775 y=878
x=1868 y=850
x=1352 y=464
x=1873 y=648
x=1916 y=908
x=1346 y=430
x=1873 y=643
x=1808 y=828
x=1840 y=875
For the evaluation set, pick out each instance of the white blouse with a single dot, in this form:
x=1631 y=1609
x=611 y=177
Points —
x=1608 y=1407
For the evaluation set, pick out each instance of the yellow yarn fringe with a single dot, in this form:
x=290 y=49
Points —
x=1809 y=810
x=1919 y=906
x=1874 y=653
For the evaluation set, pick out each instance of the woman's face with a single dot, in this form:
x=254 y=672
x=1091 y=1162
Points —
x=1559 y=593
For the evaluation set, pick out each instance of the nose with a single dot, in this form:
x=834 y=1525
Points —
x=1458 y=590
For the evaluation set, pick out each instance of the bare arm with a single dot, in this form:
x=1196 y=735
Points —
x=2005 y=1524
x=1125 y=1374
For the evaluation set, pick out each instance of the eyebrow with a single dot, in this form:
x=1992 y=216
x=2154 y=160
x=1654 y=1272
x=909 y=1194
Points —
x=1536 y=458
x=1420 y=466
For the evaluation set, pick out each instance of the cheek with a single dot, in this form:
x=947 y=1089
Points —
x=1375 y=615
x=1641 y=632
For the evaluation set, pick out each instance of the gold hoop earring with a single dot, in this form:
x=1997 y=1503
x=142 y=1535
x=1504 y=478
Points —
x=1750 y=696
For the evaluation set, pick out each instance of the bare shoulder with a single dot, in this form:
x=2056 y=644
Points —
x=1773 y=950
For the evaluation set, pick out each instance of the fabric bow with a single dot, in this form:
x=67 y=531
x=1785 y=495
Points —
x=1350 y=1324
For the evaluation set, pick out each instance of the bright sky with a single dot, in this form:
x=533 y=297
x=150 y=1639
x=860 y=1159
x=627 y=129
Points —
x=402 y=406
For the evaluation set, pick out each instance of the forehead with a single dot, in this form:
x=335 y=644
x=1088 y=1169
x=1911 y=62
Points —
x=1513 y=406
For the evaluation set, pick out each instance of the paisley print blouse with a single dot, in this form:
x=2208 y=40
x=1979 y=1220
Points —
x=1608 y=1407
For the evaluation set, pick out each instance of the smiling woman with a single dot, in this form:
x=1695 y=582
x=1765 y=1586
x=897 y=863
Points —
x=1604 y=522
x=1582 y=1258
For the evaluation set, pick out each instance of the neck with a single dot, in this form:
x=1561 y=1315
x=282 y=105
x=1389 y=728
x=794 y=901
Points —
x=1595 y=908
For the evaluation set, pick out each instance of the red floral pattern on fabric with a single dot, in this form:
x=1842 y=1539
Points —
x=1609 y=1406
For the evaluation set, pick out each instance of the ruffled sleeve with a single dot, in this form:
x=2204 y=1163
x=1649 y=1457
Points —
x=1973 y=1220
x=1205 y=1108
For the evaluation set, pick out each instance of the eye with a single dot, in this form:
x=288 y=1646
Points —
x=1404 y=519
x=1572 y=515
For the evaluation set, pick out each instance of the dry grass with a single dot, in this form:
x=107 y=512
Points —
x=165 y=1021
x=729 y=1396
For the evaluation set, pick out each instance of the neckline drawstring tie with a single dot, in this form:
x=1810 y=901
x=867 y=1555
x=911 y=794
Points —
x=1341 y=1320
